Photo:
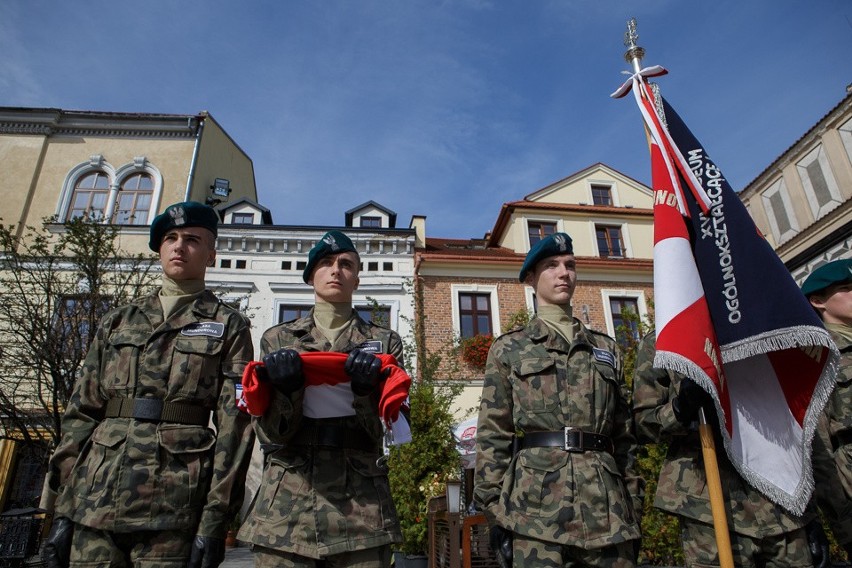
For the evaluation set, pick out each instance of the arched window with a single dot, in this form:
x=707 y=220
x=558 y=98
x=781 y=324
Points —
x=134 y=200
x=90 y=195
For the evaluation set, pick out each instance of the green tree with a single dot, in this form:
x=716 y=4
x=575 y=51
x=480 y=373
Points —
x=56 y=282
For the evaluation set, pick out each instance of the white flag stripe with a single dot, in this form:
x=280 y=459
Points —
x=673 y=262
x=766 y=436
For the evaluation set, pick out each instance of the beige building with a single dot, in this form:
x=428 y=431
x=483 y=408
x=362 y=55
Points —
x=802 y=202
x=124 y=168
x=470 y=286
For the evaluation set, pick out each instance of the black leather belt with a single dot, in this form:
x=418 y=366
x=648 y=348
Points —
x=157 y=410
x=334 y=436
x=568 y=439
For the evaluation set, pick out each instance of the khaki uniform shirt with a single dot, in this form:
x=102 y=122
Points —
x=536 y=381
x=321 y=501
x=123 y=474
x=682 y=487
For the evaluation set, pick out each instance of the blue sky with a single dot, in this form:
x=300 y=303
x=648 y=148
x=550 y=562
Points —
x=439 y=108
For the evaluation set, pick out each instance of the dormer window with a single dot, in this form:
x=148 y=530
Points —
x=243 y=219
x=371 y=222
x=601 y=194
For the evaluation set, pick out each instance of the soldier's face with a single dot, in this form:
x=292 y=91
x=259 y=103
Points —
x=335 y=277
x=186 y=253
x=554 y=279
x=835 y=303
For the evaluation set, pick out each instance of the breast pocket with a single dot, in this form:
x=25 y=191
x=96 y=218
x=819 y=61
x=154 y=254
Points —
x=536 y=386
x=606 y=389
x=121 y=364
x=195 y=368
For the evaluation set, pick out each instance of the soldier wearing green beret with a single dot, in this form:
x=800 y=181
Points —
x=666 y=406
x=829 y=290
x=554 y=471
x=324 y=496
x=139 y=477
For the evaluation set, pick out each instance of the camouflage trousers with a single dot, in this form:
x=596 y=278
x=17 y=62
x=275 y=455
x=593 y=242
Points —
x=788 y=550
x=93 y=548
x=378 y=557
x=532 y=553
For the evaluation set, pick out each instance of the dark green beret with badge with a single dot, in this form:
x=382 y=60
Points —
x=835 y=272
x=551 y=245
x=333 y=242
x=179 y=216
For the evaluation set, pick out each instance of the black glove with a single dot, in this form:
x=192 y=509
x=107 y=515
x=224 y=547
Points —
x=56 y=550
x=365 y=371
x=690 y=398
x=848 y=548
x=818 y=543
x=207 y=552
x=500 y=541
x=283 y=370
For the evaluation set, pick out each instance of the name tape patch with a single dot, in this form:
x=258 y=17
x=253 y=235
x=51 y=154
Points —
x=374 y=346
x=206 y=328
x=604 y=356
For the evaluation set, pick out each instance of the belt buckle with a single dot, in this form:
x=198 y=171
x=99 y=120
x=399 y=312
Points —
x=568 y=447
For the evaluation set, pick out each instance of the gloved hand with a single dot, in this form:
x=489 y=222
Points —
x=689 y=399
x=365 y=371
x=207 y=552
x=818 y=543
x=56 y=550
x=848 y=549
x=500 y=541
x=283 y=370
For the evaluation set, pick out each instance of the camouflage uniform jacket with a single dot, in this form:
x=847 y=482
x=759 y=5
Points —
x=681 y=488
x=123 y=474
x=536 y=381
x=837 y=421
x=321 y=501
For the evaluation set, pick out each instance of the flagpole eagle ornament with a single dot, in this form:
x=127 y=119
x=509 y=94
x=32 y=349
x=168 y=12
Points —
x=728 y=313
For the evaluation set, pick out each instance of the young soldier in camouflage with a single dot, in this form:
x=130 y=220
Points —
x=829 y=290
x=324 y=498
x=554 y=460
x=141 y=478
x=666 y=406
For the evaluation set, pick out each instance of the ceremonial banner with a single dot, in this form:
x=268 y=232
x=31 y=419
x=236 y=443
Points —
x=729 y=315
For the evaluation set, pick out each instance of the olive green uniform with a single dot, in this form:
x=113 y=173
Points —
x=759 y=527
x=321 y=500
x=580 y=501
x=125 y=466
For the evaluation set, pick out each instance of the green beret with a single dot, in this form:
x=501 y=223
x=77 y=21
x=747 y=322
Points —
x=333 y=242
x=180 y=215
x=552 y=245
x=835 y=272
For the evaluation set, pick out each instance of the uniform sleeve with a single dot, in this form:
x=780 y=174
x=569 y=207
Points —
x=624 y=440
x=82 y=415
x=653 y=416
x=494 y=434
x=828 y=488
x=234 y=439
x=367 y=406
x=284 y=414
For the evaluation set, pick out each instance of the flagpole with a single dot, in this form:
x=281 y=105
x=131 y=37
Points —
x=634 y=55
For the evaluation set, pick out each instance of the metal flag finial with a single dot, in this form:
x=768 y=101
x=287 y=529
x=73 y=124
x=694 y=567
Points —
x=634 y=53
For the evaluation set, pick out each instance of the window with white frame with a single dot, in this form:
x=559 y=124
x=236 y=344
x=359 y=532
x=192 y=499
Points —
x=242 y=218
x=601 y=194
x=134 y=200
x=845 y=131
x=475 y=310
x=819 y=183
x=610 y=241
x=782 y=221
x=90 y=195
x=618 y=303
x=539 y=230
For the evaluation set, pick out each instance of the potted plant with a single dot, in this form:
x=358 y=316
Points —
x=474 y=350
x=231 y=536
x=419 y=469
